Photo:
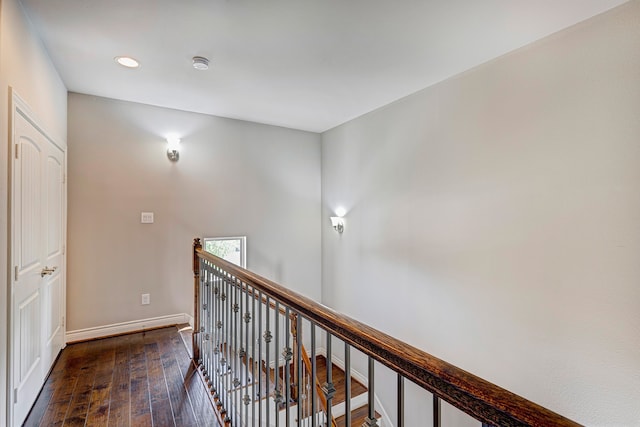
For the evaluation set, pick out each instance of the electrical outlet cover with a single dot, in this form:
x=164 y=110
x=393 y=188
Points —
x=146 y=217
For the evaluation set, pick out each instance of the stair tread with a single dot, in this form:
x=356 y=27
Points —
x=338 y=379
x=358 y=416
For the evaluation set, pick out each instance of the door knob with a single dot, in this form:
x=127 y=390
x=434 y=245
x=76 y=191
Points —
x=46 y=270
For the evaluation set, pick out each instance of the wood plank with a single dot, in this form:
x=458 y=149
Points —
x=120 y=396
x=140 y=402
x=178 y=396
x=202 y=406
x=70 y=366
x=80 y=400
x=101 y=391
x=160 y=404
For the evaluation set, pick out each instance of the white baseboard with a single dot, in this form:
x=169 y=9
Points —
x=124 y=327
x=189 y=319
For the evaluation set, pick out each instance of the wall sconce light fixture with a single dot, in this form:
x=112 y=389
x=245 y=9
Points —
x=173 y=147
x=338 y=223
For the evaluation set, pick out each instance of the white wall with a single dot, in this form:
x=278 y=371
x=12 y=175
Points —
x=233 y=178
x=26 y=67
x=494 y=220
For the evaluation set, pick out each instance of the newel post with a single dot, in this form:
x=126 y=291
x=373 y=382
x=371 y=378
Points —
x=196 y=298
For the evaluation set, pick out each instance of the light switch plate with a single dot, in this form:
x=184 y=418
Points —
x=146 y=217
x=146 y=299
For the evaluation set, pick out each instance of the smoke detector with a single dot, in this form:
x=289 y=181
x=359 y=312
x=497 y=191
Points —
x=200 y=63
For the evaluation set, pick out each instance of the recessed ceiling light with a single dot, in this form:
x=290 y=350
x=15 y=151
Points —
x=127 y=61
x=200 y=63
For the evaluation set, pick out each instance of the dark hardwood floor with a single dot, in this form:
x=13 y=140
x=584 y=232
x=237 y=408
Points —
x=142 y=379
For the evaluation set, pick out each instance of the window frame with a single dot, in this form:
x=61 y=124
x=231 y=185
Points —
x=243 y=247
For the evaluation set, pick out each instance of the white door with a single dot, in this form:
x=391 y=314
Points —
x=38 y=259
x=53 y=279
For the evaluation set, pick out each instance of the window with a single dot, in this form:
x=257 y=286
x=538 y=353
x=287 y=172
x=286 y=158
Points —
x=232 y=249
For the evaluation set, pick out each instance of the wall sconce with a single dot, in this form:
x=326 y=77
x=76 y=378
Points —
x=338 y=223
x=173 y=147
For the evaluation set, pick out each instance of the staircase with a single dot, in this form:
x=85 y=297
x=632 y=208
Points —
x=358 y=402
x=359 y=410
x=358 y=405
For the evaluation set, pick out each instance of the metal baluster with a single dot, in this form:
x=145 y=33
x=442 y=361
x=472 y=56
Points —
x=205 y=305
x=217 y=340
x=260 y=361
x=239 y=372
x=202 y=319
x=328 y=388
x=226 y=333
x=247 y=319
x=235 y=370
x=437 y=412
x=210 y=325
x=400 y=407
x=299 y=364
x=347 y=373
x=277 y=393
x=312 y=356
x=231 y=352
x=267 y=340
x=220 y=346
x=214 y=346
x=212 y=328
x=371 y=421
x=228 y=371
x=237 y=358
x=206 y=324
x=305 y=396
x=287 y=353
x=302 y=397
x=253 y=359
x=240 y=388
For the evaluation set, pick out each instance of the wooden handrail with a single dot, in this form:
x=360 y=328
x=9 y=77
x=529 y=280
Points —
x=477 y=397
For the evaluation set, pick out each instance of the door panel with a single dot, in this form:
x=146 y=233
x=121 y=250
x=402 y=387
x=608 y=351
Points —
x=38 y=205
x=52 y=324
x=29 y=364
x=29 y=314
x=53 y=337
x=28 y=215
x=30 y=201
x=54 y=201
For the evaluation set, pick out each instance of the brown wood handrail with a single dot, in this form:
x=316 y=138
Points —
x=477 y=397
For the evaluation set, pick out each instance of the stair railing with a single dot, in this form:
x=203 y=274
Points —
x=248 y=346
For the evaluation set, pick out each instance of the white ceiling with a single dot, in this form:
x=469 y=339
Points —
x=304 y=64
